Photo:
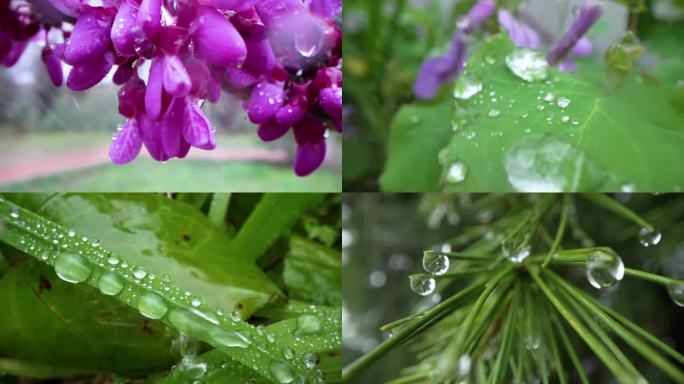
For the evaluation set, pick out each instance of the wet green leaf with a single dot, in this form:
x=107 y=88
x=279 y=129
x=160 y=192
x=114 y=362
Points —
x=313 y=273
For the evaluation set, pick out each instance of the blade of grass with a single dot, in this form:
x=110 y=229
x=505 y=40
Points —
x=571 y=352
x=614 y=206
x=652 y=277
x=498 y=372
x=561 y=229
x=218 y=209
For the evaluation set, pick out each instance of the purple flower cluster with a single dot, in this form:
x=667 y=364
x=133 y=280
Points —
x=283 y=58
x=438 y=70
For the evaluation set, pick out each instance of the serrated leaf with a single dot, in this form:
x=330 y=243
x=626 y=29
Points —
x=514 y=135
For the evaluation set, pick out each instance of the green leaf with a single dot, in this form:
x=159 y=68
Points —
x=418 y=133
x=313 y=272
x=273 y=217
x=623 y=140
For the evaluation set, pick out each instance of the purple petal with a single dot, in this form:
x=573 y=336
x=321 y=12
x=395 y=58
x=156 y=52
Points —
x=260 y=58
x=330 y=99
x=477 y=15
x=588 y=15
x=152 y=138
x=438 y=70
x=249 y=24
x=126 y=144
x=90 y=38
x=122 y=34
x=326 y=8
x=231 y=5
x=522 y=35
x=18 y=48
x=5 y=44
x=196 y=128
x=239 y=79
x=153 y=95
x=149 y=17
x=568 y=65
x=272 y=131
x=123 y=73
x=217 y=40
x=310 y=137
x=584 y=47
x=132 y=98
x=290 y=114
x=172 y=39
x=266 y=100
x=87 y=75
x=199 y=77
x=71 y=8
x=53 y=66
x=171 y=127
x=176 y=79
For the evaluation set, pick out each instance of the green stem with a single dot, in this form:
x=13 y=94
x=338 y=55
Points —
x=614 y=206
x=573 y=355
x=652 y=277
x=561 y=229
x=461 y=256
x=218 y=210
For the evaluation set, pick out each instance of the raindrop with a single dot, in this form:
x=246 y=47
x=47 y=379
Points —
x=563 y=102
x=236 y=315
x=152 y=305
x=14 y=214
x=308 y=324
x=71 y=233
x=565 y=119
x=648 y=237
x=195 y=302
x=311 y=359
x=456 y=173
x=604 y=269
x=113 y=260
x=288 y=353
x=73 y=268
x=139 y=273
x=377 y=279
x=676 y=292
x=494 y=113
x=422 y=284
x=435 y=263
x=282 y=372
x=549 y=97
x=467 y=87
x=532 y=341
x=464 y=363
x=110 y=284
x=516 y=255
x=528 y=65
x=231 y=339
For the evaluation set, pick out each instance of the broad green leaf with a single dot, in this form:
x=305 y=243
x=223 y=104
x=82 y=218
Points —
x=419 y=132
x=80 y=259
x=219 y=369
x=313 y=272
x=515 y=135
x=67 y=330
x=272 y=218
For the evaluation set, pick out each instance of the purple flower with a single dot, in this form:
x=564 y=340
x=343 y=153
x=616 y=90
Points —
x=123 y=30
x=89 y=74
x=588 y=15
x=53 y=66
x=331 y=101
x=311 y=148
x=126 y=144
x=217 y=40
x=522 y=35
x=477 y=15
x=266 y=100
x=326 y=8
x=89 y=40
x=197 y=129
x=437 y=70
x=176 y=79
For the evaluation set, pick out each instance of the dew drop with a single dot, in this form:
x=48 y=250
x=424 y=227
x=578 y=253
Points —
x=71 y=233
x=110 y=284
x=516 y=255
x=281 y=371
x=528 y=65
x=14 y=214
x=113 y=260
x=422 y=284
x=565 y=119
x=649 y=237
x=494 y=113
x=311 y=359
x=308 y=324
x=467 y=87
x=435 y=263
x=464 y=364
x=236 y=315
x=73 y=268
x=549 y=97
x=456 y=173
x=288 y=353
x=195 y=302
x=152 y=305
x=231 y=339
x=563 y=102
x=676 y=292
x=604 y=269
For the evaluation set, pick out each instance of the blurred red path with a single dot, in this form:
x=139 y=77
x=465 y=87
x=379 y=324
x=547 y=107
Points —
x=74 y=160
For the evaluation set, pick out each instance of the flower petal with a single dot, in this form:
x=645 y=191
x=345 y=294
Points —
x=123 y=34
x=153 y=95
x=176 y=79
x=587 y=17
x=90 y=38
x=132 y=97
x=126 y=144
x=326 y=8
x=149 y=17
x=330 y=99
x=239 y=79
x=217 y=40
x=290 y=114
x=171 y=127
x=87 y=75
x=152 y=138
x=311 y=148
x=53 y=66
x=522 y=35
x=271 y=130
x=196 y=127
x=260 y=58
x=266 y=100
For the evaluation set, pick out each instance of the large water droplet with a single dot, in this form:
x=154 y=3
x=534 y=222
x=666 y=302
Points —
x=73 y=268
x=231 y=339
x=311 y=359
x=516 y=255
x=563 y=102
x=110 y=284
x=456 y=173
x=422 y=284
x=152 y=305
x=467 y=87
x=649 y=237
x=604 y=269
x=288 y=353
x=528 y=65
x=676 y=292
x=308 y=324
x=435 y=263
x=464 y=364
x=281 y=371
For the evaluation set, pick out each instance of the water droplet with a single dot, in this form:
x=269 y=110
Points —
x=604 y=269
x=516 y=255
x=532 y=341
x=14 y=214
x=311 y=359
x=73 y=268
x=649 y=237
x=494 y=113
x=422 y=284
x=139 y=273
x=528 y=65
x=110 y=284
x=456 y=173
x=236 y=315
x=467 y=87
x=565 y=118
x=152 y=305
x=113 y=260
x=549 y=97
x=231 y=339
x=676 y=292
x=281 y=371
x=435 y=263
x=195 y=302
x=563 y=102
x=308 y=324
x=71 y=233
x=288 y=353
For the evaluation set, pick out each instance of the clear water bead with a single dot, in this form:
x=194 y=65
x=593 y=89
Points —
x=516 y=255
x=676 y=292
x=467 y=87
x=73 y=268
x=281 y=371
x=528 y=65
x=422 y=284
x=604 y=269
x=563 y=102
x=494 y=113
x=139 y=273
x=308 y=324
x=435 y=263
x=152 y=306
x=648 y=237
x=311 y=359
x=288 y=353
x=456 y=173
x=110 y=284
